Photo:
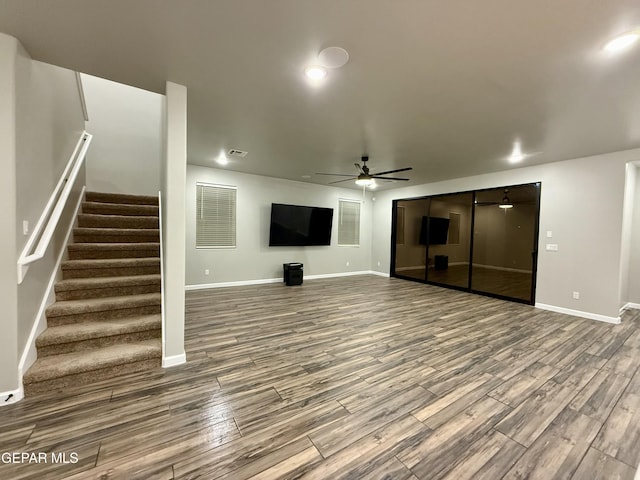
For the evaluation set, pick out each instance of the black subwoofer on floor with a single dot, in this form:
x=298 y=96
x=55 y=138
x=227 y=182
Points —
x=292 y=273
x=442 y=262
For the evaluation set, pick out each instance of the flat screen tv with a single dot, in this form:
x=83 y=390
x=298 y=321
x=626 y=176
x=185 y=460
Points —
x=298 y=226
x=434 y=231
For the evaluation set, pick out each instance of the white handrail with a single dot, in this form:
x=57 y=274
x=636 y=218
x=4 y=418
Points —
x=53 y=210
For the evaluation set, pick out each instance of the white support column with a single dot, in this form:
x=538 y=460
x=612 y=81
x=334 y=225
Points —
x=174 y=179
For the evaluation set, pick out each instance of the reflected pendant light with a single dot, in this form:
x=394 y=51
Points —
x=505 y=202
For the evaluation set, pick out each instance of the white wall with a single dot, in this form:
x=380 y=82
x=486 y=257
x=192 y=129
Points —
x=633 y=285
x=127 y=125
x=8 y=286
x=49 y=122
x=41 y=122
x=581 y=203
x=253 y=259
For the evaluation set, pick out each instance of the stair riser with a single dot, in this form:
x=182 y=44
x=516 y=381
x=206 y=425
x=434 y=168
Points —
x=117 y=222
x=105 y=238
x=107 y=292
x=112 y=209
x=120 y=198
x=103 y=315
x=104 y=254
x=90 y=344
x=91 y=377
x=109 y=272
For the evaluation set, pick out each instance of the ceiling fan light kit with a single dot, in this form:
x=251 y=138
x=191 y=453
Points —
x=364 y=178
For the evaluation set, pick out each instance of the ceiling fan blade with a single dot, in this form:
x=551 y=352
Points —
x=358 y=167
x=336 y=174
x=345 y=180
x=484 y=204
x=389 y=178
x=394 y=171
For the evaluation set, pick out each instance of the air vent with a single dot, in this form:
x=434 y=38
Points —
x=237 y=153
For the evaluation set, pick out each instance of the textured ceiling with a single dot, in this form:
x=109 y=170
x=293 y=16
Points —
x=443 y=87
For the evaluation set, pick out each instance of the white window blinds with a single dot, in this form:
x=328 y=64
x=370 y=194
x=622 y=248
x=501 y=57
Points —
x=349 y=222
x=215 y=216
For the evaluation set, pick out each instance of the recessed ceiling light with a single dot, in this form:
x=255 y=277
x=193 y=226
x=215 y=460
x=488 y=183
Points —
x=222 y=159
x=516 y=154
x=622 y=42
x=315 y=72
x=333 y=57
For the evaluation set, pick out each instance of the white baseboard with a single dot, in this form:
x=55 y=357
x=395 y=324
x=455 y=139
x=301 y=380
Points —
x=241 y=283
x=174 y=360
x=630 y=305
x=30 y=354
x=579 y=313
x=341 y=274
x=13 y=396
x=380 y=274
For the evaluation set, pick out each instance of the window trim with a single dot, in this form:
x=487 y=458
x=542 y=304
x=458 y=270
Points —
x=216 y=247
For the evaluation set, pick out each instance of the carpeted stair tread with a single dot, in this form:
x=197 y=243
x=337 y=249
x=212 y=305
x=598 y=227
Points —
x=90 y=305
x=119 y=209
x=95 y=220
x=109 y=263
x=91 y=330
x=104 y=197
x=78 y=251
x=151 y=232
x=106 y=282
x=63 y=365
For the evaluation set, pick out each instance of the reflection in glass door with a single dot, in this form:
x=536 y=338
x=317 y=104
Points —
x=447 y=238
x=504 y=241
x=410 y=253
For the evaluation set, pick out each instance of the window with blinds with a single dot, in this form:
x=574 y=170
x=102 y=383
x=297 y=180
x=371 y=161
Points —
x=215 y=216
x=348 y=222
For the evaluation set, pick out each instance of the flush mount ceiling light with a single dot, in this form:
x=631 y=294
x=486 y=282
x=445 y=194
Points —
x=315 y=72
x=622 y=42
x=333 y=57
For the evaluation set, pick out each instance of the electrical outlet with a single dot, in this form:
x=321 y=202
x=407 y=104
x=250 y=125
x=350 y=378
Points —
x=378 y=263
x=206 y=271
x=576 y=295
x=549 y=234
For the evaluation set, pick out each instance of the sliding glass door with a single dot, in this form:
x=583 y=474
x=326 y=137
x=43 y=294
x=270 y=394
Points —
x=481 y=241
x=504 y=241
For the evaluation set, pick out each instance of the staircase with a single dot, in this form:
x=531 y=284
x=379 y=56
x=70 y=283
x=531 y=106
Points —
x=106 y=319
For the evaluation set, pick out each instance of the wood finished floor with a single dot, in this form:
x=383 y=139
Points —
x=355 y=377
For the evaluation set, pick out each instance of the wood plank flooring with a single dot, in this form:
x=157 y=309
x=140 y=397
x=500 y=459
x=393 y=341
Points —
x=356 y=377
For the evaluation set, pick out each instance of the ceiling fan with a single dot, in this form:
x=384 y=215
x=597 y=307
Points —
x=364 y=177
x=505 y=203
